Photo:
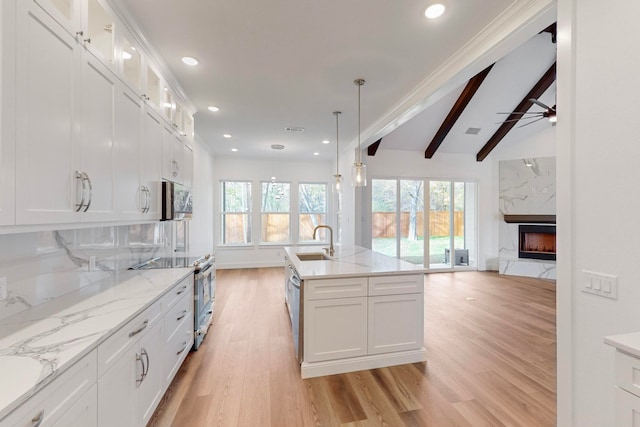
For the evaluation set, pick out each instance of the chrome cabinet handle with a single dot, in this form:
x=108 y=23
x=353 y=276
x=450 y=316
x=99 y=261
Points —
x=80 y=205
x=139 y=192
x=37 y=420
x=179 y=318
x=148 y=193
x=88 y=40
x=175 y=168
x=184 y=288
x=184 y=345
x=140 y=329
x=146 y=356
x=80 y=33
x=142 y=375
x=86 y=178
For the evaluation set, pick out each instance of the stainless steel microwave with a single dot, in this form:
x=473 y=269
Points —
x=177 y=203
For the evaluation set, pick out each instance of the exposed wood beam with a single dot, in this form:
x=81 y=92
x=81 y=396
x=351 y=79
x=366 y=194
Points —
x=553 y=29
x=456 y=111
x=543 y=84
x=371 y=150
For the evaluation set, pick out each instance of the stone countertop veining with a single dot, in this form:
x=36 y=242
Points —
x=629 y=343
x=38 y=344
x=352 y=261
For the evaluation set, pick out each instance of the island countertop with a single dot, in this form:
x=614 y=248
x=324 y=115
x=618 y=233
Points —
x=349 y=261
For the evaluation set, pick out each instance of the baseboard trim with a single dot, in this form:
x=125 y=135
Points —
x=340 y=366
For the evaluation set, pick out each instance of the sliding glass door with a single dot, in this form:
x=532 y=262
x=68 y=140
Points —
x=400 y=225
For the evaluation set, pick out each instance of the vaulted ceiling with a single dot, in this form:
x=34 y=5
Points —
x=271 y=65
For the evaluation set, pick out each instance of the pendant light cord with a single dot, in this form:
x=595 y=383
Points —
x=360 y=83
x=337 y=113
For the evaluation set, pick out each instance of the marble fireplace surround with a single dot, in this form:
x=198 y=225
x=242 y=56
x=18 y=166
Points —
x=527 y=196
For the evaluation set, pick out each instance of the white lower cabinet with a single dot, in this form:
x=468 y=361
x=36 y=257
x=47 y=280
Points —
x=362 y=316
x=627 y=390
x=335 y=328
x=69 y=400
x=395 y=323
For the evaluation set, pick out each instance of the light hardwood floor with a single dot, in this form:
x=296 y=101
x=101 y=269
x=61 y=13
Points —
x=490 y=341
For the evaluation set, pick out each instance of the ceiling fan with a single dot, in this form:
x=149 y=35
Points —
x=534 y=116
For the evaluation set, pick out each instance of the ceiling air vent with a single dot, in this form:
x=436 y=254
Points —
x=294 y=129
x=473 y=131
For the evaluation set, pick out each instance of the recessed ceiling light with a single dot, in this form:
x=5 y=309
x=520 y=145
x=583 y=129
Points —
x=213 y=108
x=316 y=154
x=326 y=141
x=234 y=149
x=190 y=61
x=126 y=55
x=227 y=135
x=434 y=11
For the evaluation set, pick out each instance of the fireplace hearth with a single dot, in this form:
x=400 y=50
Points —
x=537 y=242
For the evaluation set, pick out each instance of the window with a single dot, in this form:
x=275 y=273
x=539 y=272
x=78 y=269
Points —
x=276 y=208
x=236 y=212
x=312 y=205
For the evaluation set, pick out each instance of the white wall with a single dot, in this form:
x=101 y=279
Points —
x=257 y=170
x=201 y=225
x=598 y=210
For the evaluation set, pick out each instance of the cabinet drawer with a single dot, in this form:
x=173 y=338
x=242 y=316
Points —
x=178 y=347
x=393 y=285
x=55 y=399
x=177 y=315
x=117 y=344
x=627 y=409
x=628 y=373
x=184 y=287
x=335 y=288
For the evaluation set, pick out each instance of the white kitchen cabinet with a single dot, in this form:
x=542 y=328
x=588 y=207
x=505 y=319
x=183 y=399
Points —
x=131 y=389
x=7 y=117
x=627 y=390
x=68 y=401
x=138 y=158
x=65 y=101
x=335 y=328
x=396 y=323
x=187 y=171
x=47 y=68
x=172 y=155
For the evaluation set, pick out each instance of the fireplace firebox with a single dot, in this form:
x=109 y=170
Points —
x=537 y=242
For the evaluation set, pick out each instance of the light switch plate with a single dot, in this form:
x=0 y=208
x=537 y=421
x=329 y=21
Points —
x=601 y=284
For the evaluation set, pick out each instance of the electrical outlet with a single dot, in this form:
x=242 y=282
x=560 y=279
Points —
x=92 y=263
x=604 y=285
x=3 y=288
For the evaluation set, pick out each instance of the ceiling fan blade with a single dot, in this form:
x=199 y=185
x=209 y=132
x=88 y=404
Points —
x=533 y=121
x=519 y=112
x=535 y=101
x=515 y=120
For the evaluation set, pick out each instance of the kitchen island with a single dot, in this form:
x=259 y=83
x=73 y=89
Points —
x=355 y=310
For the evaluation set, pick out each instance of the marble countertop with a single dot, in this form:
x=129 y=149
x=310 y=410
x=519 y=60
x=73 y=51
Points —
x=38 y=344
x=629 y=343
x=350 y=261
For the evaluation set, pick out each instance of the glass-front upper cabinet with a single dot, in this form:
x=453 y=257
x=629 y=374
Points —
x=177 y=118
x=168 y=105
x=152 y=89
x=65 y=12
x=131 y=64
x=187 y=120
x=100 y=26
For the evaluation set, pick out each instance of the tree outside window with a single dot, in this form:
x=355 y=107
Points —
x=312 y=205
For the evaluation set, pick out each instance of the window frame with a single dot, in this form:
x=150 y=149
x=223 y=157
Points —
x=289 y=241
x=325 y=213
x=248 y=212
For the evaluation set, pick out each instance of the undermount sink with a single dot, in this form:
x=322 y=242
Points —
x=312 y=256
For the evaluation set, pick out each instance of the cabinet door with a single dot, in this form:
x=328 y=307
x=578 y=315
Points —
x=7 y=127
x=99 y=91
x=335 y=329
x=131 y=197
x=168 y=162
x=177 y=153
x=84 y=413
x=187 y=170
x=151 y=388
x=396 y=323
x=117 y=392
x=65 y=12
x=151 y=161
x=46 y=70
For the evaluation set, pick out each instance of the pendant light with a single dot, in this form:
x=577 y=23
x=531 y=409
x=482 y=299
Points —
x=337 y=185
x=359 y=171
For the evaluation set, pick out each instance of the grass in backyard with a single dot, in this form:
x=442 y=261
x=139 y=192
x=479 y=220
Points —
x=412 y=250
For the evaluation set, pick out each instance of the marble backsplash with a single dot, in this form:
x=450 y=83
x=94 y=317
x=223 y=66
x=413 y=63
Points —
x=41 y=266
x=527 y=186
